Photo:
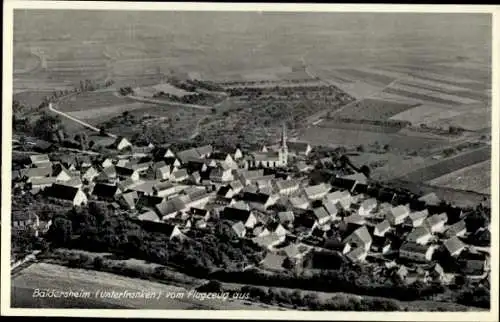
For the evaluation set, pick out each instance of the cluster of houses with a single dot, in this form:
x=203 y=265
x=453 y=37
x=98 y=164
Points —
x=270 y=202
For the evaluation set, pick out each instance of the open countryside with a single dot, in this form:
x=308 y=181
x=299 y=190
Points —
x=312 y=161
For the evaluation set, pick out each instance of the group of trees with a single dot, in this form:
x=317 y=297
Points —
x=97 y=228
x=49 y=127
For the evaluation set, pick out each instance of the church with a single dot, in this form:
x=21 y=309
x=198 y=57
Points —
x=271 y=159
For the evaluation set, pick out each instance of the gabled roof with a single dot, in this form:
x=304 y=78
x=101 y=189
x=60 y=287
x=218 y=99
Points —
x=39 y=158
x=354 y=219
x=286 y=216
x=362 y=234
x=267 y=240
x=456 y=227
x=205 y=150
x=434 y=220
x=358 y=177
x=298 y=201
x=417 y=233
x=162 y=185
x=37 y=181
x=430 y=199
x=105 y=190
x=311 y=191
x=331 y=208
x=356 y=254
x=256 y=197
x=286 y=184
x=417 y=215
x=414 y=247
x=128 y=199
x=73 y=182
x=231 y=213
x=369 y=203
x=148 y=216
x=224 y=190
x=181 y=173
x=239 y=227
x=265 y=156
x=170 y=206
x=400 y=211
x=320 y=213
x=124 y=171
x=453 y=245
x=383 y=226
x=188 y=155
x=36 y=172
x=63 y=192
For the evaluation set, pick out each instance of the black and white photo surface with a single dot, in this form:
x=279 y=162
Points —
x=266 y=160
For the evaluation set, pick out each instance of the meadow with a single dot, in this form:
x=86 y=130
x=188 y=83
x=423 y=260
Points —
x=475 y=178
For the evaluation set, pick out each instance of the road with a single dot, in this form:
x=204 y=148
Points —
x=87 y=125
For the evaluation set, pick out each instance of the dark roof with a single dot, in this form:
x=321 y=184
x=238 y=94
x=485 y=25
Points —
x=218 y=155
x=198 y=211
x=255 y=197
x=344 y=183
x=230 y=213
x=59 y=191
x=223 y=191
x=360 y=188
x=104 y=190
x=148 y=201
x=124 y=171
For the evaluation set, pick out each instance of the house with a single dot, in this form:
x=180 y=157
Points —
x=436 y=273
x=358 y=178
x=360 y=238
x=322 y=216
x=148 y=216
x=367 y=206
x=37 y=184
x=416 y=252
x=107 y=162
x=205 y=151
x=286 y=187
x=60 y=172
x=436 y=223
x=73 y=182
x=90 y=174
x=235 y=214
x=188 y=155
x=63 y=193
x=121 y=143
x=382 y=228
x=236 y=186
x=128 y=200
x=302 y=166
x=341 y=198
x=36 y=173
x=401 y=272
x=164 y=188
x=105 y=191
x=179 y=175
x=251 y=221
x=239 y=229
x=416 y=218
x=107 y=174
x=454 y=246
x=268 y=241
x=382 y=244
x=260 y=201
x=397 y=215
x=225 y=192
x=420 y=235
x=286 y=218
x=199 y=213
x=473 y=262
x=430 y=199
x=163 y=153
x=222 y=173
x=223 y=158
x=24 y=221
x=124 y=173
x=458 y=229
x=316 y=192
x=168 y=209
x=299 y=148
x=331 y=209
x=357 y=254
x=299 y=202
x=40 y=161
x=161 y=172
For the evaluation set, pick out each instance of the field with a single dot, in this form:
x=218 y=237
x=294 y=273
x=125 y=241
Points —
x=448 y=165
x=101 y=113
x=341 y=137
x=90 y=100
x=50 y=276
x=373 y=109
x=365 y=76
x=425 y=114
x=472 y=121
x=475 y=178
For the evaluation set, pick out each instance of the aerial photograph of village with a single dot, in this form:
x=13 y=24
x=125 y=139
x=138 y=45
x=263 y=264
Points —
x=251 y=160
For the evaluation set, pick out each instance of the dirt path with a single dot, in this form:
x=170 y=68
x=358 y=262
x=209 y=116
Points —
x=160 y=102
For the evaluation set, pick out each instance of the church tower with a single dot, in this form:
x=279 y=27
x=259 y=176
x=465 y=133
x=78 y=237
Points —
x=283 y=152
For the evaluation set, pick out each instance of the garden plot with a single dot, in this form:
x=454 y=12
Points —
x=472 y=121
x=100 y=114
x=89 y=101
x=172 y=90
x=365 y=76
x=432 y=94
x=424 y=114
x=373 y=109
x=473 y=178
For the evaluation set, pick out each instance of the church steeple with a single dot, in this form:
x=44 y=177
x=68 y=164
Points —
x=283 y=152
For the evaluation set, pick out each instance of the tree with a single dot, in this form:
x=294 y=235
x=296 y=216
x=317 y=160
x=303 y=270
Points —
x=46 y=125
x=60 y=231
